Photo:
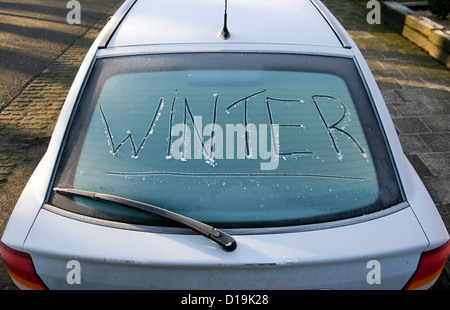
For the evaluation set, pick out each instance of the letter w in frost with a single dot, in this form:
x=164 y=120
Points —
x=135 y=148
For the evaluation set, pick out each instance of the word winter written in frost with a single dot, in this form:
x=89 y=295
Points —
x=246 y=148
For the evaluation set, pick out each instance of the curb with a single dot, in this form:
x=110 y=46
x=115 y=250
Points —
x=422 y=31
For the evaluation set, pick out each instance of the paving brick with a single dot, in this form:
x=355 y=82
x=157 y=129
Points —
x=438 y=188
x=408 y=125
x=414 y=144
x=389 y=95
x=387 y=83
x=438 y=122
x=444 y=210
x=409 y=94
x=420 y=167
x=437 y=141
x=438 y=163
x=411 y=108
x=438 y=94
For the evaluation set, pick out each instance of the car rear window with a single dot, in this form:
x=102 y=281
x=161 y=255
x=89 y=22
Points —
x=234 y=140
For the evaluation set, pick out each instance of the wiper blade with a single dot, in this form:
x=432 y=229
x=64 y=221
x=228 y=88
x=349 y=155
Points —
x=223 y=239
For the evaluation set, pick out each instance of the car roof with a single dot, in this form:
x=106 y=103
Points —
x=162 y=22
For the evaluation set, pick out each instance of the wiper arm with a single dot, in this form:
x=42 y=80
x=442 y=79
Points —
x=223 y=239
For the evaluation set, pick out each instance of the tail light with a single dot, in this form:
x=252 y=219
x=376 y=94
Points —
x=430 y=267
x=21 y=269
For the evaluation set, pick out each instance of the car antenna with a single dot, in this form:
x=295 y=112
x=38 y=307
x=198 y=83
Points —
x=225 y=34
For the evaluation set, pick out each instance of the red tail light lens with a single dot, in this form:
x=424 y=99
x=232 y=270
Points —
x=21 y=269
x=430 y=267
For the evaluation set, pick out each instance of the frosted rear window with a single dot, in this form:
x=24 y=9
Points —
x=233 y=147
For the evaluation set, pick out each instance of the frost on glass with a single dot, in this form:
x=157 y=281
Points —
x=229 y=146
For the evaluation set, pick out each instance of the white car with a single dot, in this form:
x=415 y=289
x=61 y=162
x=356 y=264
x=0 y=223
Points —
x=206 y=145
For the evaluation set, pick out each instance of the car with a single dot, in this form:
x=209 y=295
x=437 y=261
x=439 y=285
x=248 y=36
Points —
x=238 y=145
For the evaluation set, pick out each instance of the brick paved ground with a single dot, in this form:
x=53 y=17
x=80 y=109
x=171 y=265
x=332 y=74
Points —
x=33 y=33
x=415 y=86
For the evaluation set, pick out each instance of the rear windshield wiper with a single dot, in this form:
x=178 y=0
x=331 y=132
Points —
x=223 y=239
